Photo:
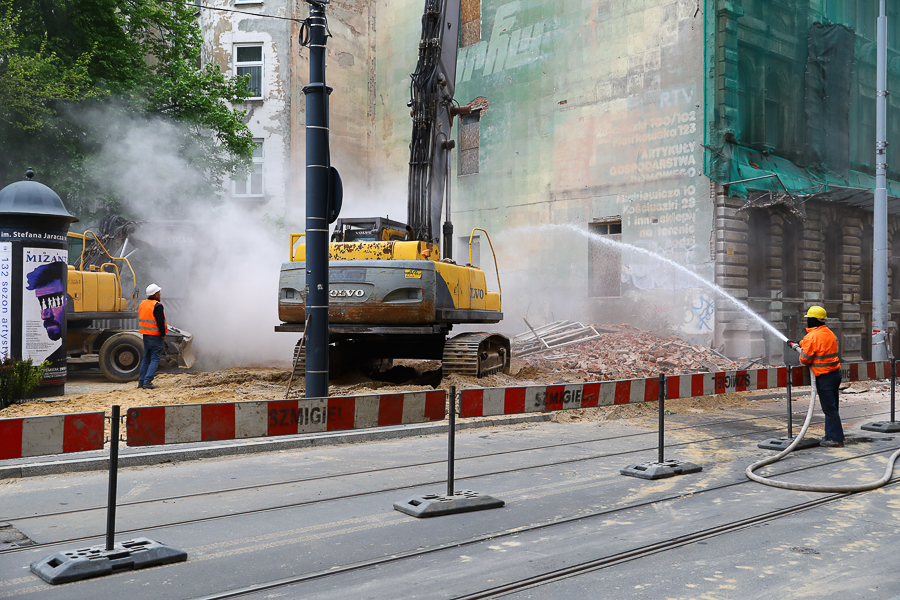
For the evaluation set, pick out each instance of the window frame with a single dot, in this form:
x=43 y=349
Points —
x=248 y=181
x=261 y=63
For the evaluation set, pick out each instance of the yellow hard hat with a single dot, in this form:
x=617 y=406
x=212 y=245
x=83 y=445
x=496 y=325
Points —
x=816 y=312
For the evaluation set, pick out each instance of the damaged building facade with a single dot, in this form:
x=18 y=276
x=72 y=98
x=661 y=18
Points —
x=603 y=122
x=791 y=115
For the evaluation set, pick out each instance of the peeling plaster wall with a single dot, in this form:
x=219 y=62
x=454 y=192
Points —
x=269 y=119
x=595 y=112
x=280 y=117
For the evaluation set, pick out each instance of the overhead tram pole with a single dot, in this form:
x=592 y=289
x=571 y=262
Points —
x=318 y=176
x=879 y=235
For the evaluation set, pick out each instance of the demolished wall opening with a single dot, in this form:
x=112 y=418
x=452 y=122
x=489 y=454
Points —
x=605 y=261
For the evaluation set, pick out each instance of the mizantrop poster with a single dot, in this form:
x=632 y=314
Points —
x=44 y=273
x=5 y=299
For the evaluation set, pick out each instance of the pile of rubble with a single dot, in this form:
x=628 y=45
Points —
x=617 y=351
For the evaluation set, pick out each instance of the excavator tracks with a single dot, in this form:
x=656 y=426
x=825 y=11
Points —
x=476 y=354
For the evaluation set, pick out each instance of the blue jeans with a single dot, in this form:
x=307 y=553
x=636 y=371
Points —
x=153 y=348
x=827 y=388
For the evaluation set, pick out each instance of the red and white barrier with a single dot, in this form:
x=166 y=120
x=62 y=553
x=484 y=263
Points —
x=178 y=424
x=58 y=434
x=55 y=434
x=516 y=400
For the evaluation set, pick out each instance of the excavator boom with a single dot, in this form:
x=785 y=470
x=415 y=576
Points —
x=432 y=87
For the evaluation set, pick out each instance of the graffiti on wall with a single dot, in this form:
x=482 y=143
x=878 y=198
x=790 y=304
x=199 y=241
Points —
x=701 y=316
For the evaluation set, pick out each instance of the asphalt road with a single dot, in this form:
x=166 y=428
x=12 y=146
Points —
x=319 y=522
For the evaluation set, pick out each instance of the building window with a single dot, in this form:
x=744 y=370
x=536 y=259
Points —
x=253 y=184
x=605 y=260
x=745 y=109
x=249 y=61
x=834 y=253
x=790 y=250
x=865 y=134
x=865 y=265
x=470 y=33
x=469 y=140
x=756 y=261
x=774 y=117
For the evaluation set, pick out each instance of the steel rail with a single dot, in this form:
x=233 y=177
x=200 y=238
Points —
x=425 y=464
x=556 y=574
x=419 y=485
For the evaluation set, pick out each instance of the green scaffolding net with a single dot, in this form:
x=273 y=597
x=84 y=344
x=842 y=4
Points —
x=793 y=107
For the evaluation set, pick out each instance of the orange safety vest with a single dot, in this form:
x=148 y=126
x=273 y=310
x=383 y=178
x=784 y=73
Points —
x=146 y=321
x=819 y=350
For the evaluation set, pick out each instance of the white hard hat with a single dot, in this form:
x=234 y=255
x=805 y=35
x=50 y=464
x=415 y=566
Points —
x=152 y=289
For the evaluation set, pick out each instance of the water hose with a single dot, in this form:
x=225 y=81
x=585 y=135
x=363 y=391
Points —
x=808 y=487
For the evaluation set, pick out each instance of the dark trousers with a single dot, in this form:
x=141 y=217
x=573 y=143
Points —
x=827 y=387
x=153 y=348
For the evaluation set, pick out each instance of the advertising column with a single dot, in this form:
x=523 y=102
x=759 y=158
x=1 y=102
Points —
x=34 y=279
x=44 y=274
x=6 y=255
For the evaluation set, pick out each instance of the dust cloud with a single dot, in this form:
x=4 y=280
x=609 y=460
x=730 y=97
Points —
x=217 y=261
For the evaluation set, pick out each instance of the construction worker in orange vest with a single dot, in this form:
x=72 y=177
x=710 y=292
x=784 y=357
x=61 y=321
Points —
x=819 y=351
x=152 y=326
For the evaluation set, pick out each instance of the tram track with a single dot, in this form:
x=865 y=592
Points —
x=399 y=488
x=426 y=464
x=568 y=571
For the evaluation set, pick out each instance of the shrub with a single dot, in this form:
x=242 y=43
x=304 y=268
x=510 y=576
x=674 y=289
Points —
x=18 y=380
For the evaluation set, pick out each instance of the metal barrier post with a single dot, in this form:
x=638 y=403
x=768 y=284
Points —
x=780 y=443
x=451 y=440
x=790 y=415
x=97 y=561
x=893 y=385
x=113 y=478
x=662 y=418
x=662 y=468
x=891 y=426
x=435 y=505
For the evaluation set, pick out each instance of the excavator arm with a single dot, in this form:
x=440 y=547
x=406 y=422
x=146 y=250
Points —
x=432 y=87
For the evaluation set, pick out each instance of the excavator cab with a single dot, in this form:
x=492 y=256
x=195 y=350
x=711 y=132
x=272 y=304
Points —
x=368 y=229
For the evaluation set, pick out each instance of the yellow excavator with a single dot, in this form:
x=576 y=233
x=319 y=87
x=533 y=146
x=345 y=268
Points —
x=391 y=294
x=101 y=321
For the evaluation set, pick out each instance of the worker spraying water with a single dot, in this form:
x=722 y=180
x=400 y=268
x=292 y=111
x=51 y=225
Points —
x=819 y=351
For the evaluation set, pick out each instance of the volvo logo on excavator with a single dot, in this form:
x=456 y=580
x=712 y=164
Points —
x=347 y=293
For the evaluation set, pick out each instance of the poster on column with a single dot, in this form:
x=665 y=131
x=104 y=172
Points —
x=5 y=299
x=44 y=273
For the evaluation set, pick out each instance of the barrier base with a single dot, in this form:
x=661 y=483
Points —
x=660 y=470
x=784 y=442
x=96 y=561
x=882 y=426
x=435 y=505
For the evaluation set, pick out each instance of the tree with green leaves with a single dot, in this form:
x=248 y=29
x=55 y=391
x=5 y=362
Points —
x=75 y=75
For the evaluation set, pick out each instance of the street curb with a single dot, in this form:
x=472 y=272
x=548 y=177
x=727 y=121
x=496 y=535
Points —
x=101 y=463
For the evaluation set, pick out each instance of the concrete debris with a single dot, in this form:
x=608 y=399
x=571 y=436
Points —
x=617 y=351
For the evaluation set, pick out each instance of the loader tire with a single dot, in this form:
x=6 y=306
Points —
x=121 y=356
